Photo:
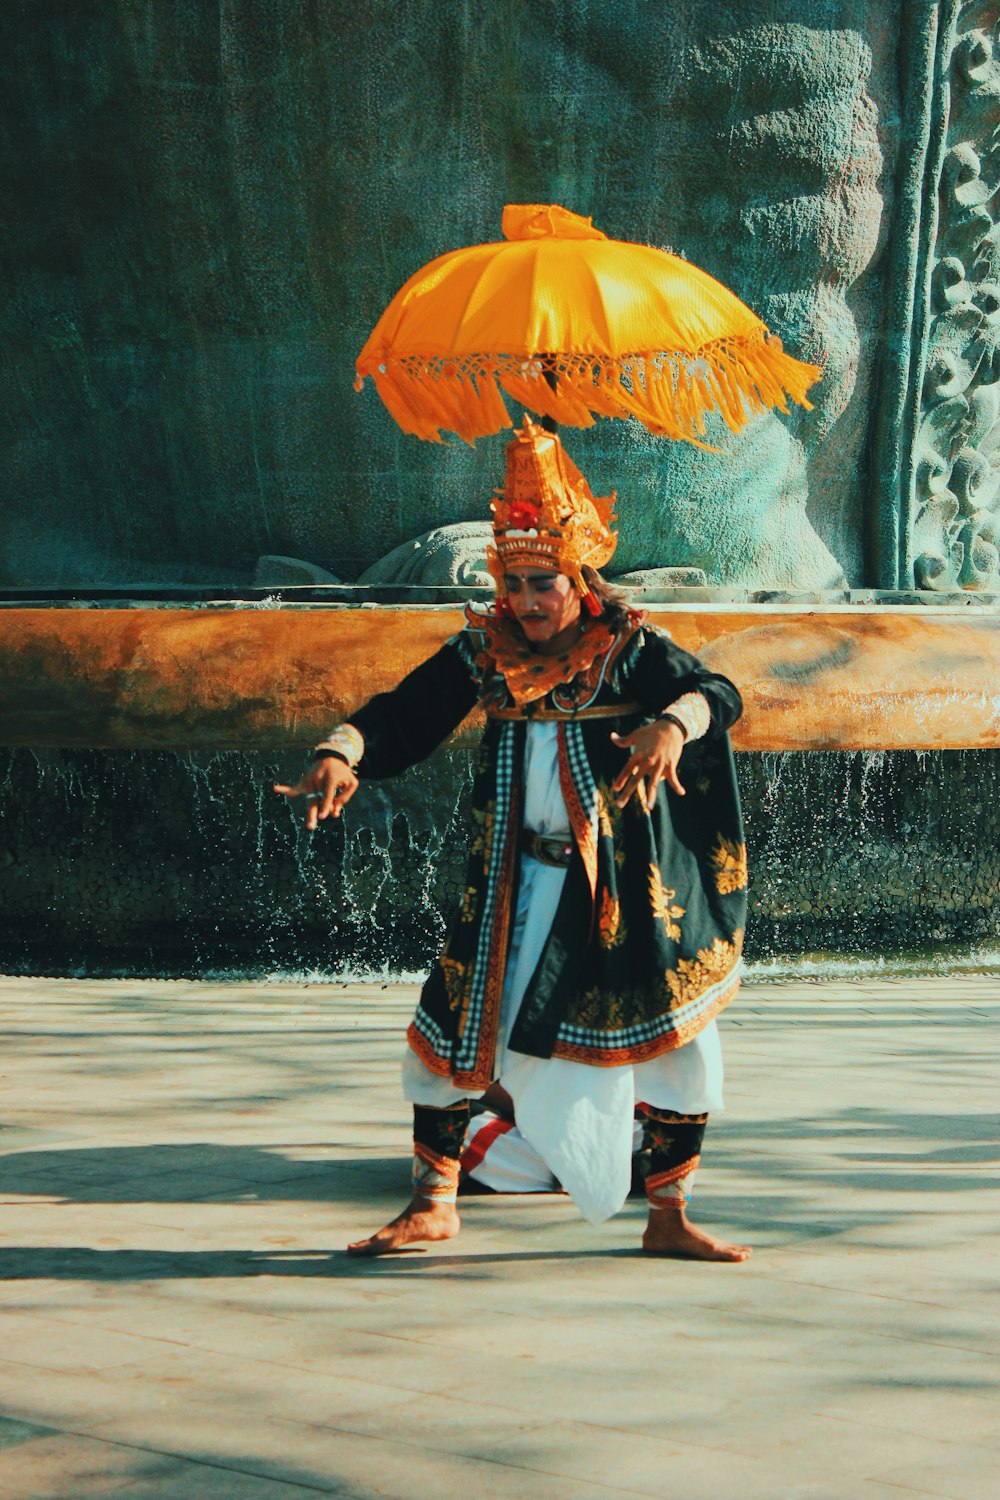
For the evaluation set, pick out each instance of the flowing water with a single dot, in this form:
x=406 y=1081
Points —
x=152 y=863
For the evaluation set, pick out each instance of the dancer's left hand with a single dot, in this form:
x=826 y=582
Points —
x=656 y=750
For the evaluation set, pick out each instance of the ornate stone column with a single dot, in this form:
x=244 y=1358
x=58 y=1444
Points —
x=938 y=524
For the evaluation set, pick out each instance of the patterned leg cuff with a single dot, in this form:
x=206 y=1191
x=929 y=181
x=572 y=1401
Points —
x=434 y=1177
x=442 y=1131
x=672 y=1189
x=671 y=1151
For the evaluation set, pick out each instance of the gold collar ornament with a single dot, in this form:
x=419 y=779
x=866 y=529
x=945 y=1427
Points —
x=528 y=674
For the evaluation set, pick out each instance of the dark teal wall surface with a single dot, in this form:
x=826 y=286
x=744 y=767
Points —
x=206 y=206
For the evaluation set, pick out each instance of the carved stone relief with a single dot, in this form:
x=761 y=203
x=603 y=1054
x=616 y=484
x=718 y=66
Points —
x=217 y=203
x=956 y=533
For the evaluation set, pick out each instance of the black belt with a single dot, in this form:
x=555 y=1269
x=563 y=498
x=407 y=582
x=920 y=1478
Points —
x=547 y=851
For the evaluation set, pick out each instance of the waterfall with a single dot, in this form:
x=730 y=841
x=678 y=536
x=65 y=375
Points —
x=155 y=863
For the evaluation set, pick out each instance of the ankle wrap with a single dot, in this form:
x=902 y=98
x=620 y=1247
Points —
x=438 y=1139
x=671 y=1151
x=434 y=1177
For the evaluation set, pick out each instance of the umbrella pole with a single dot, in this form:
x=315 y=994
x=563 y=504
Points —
x=549 y=424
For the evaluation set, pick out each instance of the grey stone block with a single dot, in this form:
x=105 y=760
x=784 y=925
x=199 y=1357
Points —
x=274 y=571
x=662 y=578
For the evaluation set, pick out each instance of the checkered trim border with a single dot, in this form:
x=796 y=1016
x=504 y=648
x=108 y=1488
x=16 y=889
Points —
x=433 y=1035
x=579 y=765
x=469 y=643
x=650 y=1031
x=468 y=1049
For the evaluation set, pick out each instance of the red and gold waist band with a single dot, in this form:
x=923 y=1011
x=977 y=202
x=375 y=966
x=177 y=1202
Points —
x=559 y=715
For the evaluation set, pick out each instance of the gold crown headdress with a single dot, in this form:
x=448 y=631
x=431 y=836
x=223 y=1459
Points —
x=547 y=516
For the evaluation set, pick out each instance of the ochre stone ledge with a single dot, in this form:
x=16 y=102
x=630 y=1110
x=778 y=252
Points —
x=253 y=679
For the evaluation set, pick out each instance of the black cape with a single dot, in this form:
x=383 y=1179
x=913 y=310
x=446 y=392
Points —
x=645 y=946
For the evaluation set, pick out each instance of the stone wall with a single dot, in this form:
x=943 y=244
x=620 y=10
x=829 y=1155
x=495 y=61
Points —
x=206 y=209
x=209 y=206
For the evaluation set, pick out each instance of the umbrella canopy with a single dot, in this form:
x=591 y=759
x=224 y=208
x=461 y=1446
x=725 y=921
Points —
x=572 y=325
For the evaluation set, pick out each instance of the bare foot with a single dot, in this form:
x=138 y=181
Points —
x=669 y=1233
x=423 y=1219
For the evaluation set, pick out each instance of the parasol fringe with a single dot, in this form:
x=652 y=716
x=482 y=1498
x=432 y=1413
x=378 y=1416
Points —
x=470 y=408
x=670 y=393
x=733 y=390
x=394 y=397
x=463 y=406
x=564 y=405
x=492 y=403
x=532 y=392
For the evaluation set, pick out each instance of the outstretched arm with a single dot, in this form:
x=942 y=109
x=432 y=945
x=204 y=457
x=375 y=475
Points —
x=327 y=786
x=390 y=732
x=403 y=726
x=667 y=679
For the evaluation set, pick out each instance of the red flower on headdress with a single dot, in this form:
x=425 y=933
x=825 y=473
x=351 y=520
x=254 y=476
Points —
x=523 y=515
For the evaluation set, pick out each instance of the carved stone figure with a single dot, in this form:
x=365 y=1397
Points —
x=763 y=162
x=448 y=554
x=956 y=526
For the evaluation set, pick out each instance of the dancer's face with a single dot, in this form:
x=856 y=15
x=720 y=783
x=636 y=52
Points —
x=545 y=605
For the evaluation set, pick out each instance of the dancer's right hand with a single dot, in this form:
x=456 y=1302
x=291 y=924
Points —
x=327 y=787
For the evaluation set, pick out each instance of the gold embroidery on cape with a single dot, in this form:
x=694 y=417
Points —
x=693 y=976
x=610 y=927
x=611 y=1056
x=662 y=903
x=469 y=904
x=454 y=980
x=483 y=819
x=609 y=814
x=601 y=1010
x=730 y=861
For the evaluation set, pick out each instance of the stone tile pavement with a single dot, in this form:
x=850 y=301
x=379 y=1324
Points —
x=183 y=1163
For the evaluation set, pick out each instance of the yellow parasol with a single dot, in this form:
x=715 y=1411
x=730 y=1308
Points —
x=573 y=325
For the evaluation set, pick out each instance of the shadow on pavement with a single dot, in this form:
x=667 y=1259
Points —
x=198 y=1172
x=877 y=1150
x=80 y=1263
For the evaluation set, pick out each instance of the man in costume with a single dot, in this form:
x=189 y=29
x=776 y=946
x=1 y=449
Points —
x=600 y=930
